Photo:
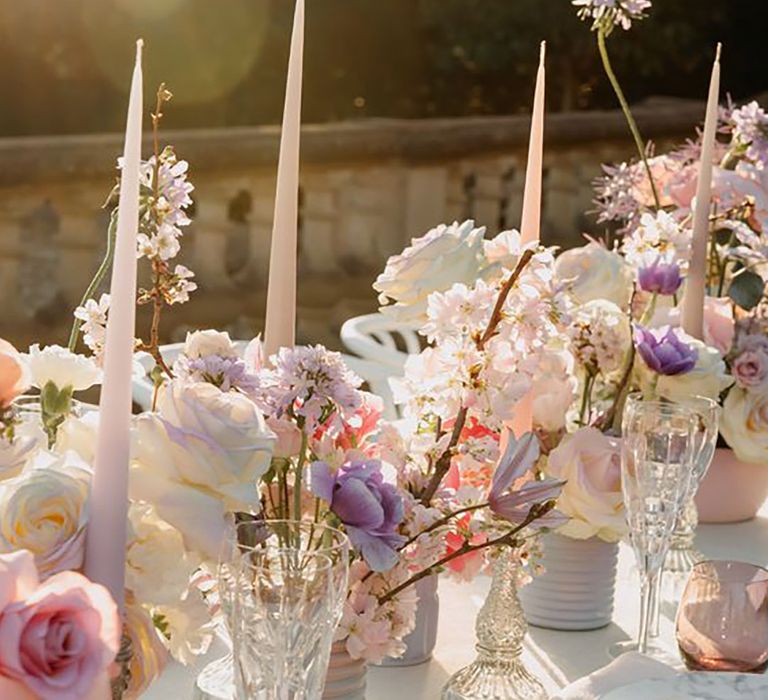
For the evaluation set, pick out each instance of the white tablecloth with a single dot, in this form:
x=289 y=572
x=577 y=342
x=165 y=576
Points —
x=557 y=658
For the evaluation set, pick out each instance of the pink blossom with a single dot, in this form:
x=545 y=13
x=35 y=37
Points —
x=59 y=638
x=466 y=566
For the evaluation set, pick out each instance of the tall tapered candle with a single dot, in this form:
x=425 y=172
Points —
x=530 y=225
x=696 y=281
x=106 y=534
x=280 y=325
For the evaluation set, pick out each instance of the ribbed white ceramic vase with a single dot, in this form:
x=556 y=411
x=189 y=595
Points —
x=420 y=643
x=576 y=590
x=346 y=676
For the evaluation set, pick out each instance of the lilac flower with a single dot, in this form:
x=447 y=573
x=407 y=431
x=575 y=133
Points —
x=664 y=352
x=227 y=373
x=514 y=506
x=369 y=508
x=311 y=383
x=750 y=130
x=660 y=277
x=606 y=14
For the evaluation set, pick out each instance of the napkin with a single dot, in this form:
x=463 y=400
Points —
x=627 y=668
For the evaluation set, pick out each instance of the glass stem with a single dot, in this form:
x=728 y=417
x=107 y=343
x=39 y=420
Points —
x=655 y=610
x=647 y=593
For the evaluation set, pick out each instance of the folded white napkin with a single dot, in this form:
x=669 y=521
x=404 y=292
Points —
x=627 y=668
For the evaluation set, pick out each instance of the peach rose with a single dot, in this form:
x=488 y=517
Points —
x=15 y=377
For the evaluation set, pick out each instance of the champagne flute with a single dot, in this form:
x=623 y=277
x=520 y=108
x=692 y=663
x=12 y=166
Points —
x=657 y=462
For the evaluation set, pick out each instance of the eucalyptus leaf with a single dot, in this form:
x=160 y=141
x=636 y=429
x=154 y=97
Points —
x=747 y=289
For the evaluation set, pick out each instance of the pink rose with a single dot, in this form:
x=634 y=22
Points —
x=14 y=374
x=718 y=323
x=750 y=366
x=288 y=437
x=682 y=187
x=59 y=638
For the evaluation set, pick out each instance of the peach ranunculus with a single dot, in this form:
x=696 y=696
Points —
x=15 y=376
x=590 y=464
x=58 y=638
x=149 y=653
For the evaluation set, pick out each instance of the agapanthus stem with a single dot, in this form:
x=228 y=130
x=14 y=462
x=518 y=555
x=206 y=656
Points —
x=98 y=278
x=627 y=112
x=297 y=482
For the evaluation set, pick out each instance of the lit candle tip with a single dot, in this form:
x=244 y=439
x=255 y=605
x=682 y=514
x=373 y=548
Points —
x=139 y=47
x=542 y=52
x=719 y=49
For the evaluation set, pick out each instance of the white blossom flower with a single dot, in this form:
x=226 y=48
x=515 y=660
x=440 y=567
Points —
x=658 y=237
x=93 y=315
x=605 y=14
x=600 y=336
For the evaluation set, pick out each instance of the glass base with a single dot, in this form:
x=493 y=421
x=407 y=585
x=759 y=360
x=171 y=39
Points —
x=682 y=560
x=216 y=681
x=654 y=649
x=491 y=679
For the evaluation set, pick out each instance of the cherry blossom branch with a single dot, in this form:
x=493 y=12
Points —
x=508 y=538
x=443 y=521
x=443 y=463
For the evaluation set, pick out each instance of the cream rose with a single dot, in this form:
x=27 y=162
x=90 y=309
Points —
x=200 y=458
x=443 y=256
x=709 y=377
x=593 y=272
x=44 y=511
x=78 y=433
x=590 y=464
x=152 y=543
x=61 y=367
x=16 y=452
x=744 y=424
x=209 y=342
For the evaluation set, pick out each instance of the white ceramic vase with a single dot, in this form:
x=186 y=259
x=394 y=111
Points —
x=346 y=676
x=576 y=590
x=420 y=643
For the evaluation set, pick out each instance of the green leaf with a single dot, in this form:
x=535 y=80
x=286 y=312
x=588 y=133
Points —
x=747 y=289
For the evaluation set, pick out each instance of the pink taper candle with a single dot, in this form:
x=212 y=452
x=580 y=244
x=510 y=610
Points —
x=696 y=281
x=280 y=325
x=530 y=226
x=108 y=505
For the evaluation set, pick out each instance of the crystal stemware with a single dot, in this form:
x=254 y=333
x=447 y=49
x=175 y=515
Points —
x=245 y=543
x=722 y=621
x=657 y=462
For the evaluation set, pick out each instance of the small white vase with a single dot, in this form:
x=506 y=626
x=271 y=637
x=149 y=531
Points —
x=346 y=676
x=420 y=643
x=576 y=590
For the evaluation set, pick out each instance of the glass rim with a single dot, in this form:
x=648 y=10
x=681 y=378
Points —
x=341 y=543
x=700 y=571
x=315 y=555
x=637 y=397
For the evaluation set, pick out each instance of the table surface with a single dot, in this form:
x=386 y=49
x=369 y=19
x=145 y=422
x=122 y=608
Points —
x=556 y=658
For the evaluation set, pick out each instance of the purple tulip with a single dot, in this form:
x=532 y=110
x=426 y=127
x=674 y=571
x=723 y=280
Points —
x=369 y=508
x=660 y=278
x=664 y=352
x=514 y=506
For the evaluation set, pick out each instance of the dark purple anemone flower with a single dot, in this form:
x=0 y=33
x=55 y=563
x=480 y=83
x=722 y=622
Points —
x=664 y=351
x=660 y=278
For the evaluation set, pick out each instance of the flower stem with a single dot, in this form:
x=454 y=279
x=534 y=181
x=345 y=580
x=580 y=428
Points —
x=627 y=112
x=98 y=278
x=299 y=475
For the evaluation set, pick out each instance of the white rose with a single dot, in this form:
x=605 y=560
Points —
x=209 y=342
x=15 y=454
x=62 y=367
x=590 y=464
x=593 y=272
x=744 y=424
x=189 y=626
x=554 y=389
x=433 y=263
x=152 y=544
x=44 y=511
x=200 y=458
x=709 y=377
x=78 y=434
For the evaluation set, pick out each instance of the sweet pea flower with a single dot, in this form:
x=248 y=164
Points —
x=57 y=639
x=664 y=352
x=515 y=505
x=660 y=278
x=369 y=508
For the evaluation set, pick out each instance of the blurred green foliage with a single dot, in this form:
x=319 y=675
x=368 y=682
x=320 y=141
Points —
x=65 y=64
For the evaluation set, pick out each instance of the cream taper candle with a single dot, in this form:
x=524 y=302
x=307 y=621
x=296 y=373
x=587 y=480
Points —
x=530 y=225
x=280 y=324
x=108 y=503
x=696 y=280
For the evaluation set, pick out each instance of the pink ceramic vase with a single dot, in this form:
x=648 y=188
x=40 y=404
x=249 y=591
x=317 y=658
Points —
x=732 y=491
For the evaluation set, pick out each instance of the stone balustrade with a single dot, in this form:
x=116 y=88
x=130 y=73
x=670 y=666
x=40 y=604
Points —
x=366 y=188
